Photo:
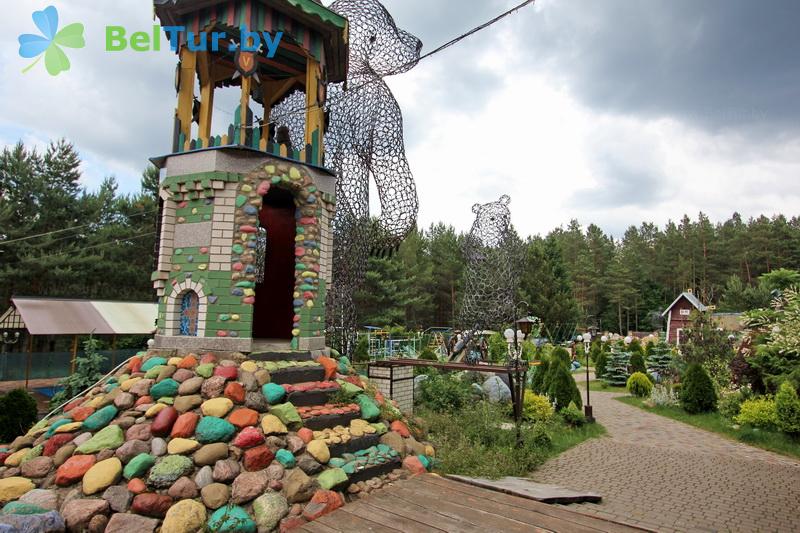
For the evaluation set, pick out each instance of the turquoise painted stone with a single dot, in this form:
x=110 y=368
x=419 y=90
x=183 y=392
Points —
x=273 y=392
x=168 y=387
x=287 y=414
x=276 y=179
x=108 y=438
x=169 y=469
x=369 y=411
x=153 y=361
x=344 y=365
x=100 y=419
x=241 y=200
x=237 y=249
x=331 y=478
x=205 y=370
x=337 y=462
x=138 y=466
x=425 y=461
x=22 y=508
x=383 y=448
x=286 y=458
x=349 y=468
x=56 y=425
x=231 y=519
x=213 y=429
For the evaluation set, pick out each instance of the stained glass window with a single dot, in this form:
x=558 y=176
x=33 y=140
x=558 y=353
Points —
x=190 y=308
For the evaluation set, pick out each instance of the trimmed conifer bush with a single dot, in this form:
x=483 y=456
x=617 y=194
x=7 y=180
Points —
x=539 y=381
x=636 y=363
x=616 y=373
x=562 y=389
x=600 y=364
x=18 y=413
x=787 y=406
x=639 y=385
x=697 y=390
x=659 y=360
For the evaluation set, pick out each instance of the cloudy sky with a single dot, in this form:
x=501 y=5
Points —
x=611 y=111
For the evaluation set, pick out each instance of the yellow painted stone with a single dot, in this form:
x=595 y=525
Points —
x=218 y=407
x=295 y=332
x=154 y=410
x=357 y=432
x=235 y=318
x=294 y=173
x=249 y=292
x=296 y=294
x=369 y=430
x=175 y=361
x=35 y=432
x=68 y=428
x=310 y=303
x=246 y=188
x=429 y=451
x=182 y=446
x=186 y=516
x=97 y=401
x=12 y=488
x=358 y=422
x=272 y=425
x=128 y=383
x=248 y=366
x=269 y=169
x=16 y=458
x=319 y=451
x=102 y=475
x=202 y=267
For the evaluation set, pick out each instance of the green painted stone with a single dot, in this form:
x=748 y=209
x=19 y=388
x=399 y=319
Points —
x=153 y=361
x=276 y=179
x=369 y=411
x=179 y=251
x=167 y=400
x=213 y=429
x=287 y=414
x=108 y=438
x=111 y=386
x=22 y=508
x=350 y=468
x=138 y=466
x=380 y=427
x=286 y=458
x=100 y=419
x=33 y=453
x=231 y=519
x=270 y=366
x=331 y=478
x=205 y=370
x=384 y=448
x=168 y=469
x=337 y=462
x=154 y=372
x=246 y=285
x=168 y=387
x=349 y=388
x=237 y=249
x=241 y=200
x=425 y=461
x=344 y=365
x=273 y=392
x=224 y=318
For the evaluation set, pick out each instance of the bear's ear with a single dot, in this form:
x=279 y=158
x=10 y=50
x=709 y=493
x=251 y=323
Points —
x=505 y=199
x=476 y=208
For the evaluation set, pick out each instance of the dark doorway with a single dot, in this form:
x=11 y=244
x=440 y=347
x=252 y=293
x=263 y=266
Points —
x=274 y=309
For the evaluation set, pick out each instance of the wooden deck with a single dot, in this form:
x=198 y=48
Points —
x=429 y=503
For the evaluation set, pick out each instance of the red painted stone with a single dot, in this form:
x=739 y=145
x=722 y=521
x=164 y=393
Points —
x=235 y=392
x=291 y=523
x=73 y=469
x=413 y=465
x=149 y=504
x=308 y=221
x=308 y=295
x=135 y=364
x=136 y=486
x=72 y=405
x=263 y=188
x=296 y=318
x=299 y=252
x=208 y=358
x=248 y=438
x=165 y=419
x=248 y=229
x=204 y=250
x=237 y=267
x=185 y=425
x=249 y=300
x=306 y=434
x=257 y=458
x=227 y=372
x=400 y=428
x=55 y=442
x=322 y=503
x=79 y=414
x=143 y=400
x=241 y=418
x=190 y=361
x=182 y=205
x=4 y=456
x=222 y=333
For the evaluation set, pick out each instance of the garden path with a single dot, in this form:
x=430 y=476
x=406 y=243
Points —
x=658 y=473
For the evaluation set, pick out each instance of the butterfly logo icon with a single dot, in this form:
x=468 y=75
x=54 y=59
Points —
x=50 y=42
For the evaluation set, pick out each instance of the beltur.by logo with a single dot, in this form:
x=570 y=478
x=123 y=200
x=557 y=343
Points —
x=140 y=41
x=50 y=41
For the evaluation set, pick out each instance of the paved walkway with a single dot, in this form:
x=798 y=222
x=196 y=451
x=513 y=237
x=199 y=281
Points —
x=658 y=473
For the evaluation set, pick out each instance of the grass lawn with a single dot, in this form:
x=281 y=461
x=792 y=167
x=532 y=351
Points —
x=715 y=422
x=600 y=386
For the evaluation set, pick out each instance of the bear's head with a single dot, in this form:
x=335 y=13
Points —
x=376 y=43
x=491 y=222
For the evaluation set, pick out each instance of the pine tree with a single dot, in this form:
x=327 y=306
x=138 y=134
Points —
x=617 y=368
x=659 y=361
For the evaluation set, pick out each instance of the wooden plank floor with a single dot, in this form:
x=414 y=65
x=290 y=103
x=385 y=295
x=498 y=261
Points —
x=429 y=503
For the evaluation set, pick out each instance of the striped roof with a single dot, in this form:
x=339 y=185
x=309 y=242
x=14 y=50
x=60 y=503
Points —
x=57 y=316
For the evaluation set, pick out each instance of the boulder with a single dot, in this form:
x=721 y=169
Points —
x=211 y=453
x=118 y=498
x=496 y=390
x=44 y=499
x=322 y=503
x=168 y=469
x=215 y=495
x=150 y=504
x=130 y=523
x=186 y=516
x=269 y=509
x=47 y=522
x=183 y=489
x=248 y=486
x=78 y=512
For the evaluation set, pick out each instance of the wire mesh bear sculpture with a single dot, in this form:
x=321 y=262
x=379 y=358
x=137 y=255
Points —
x=491 y=271
x=364 y=138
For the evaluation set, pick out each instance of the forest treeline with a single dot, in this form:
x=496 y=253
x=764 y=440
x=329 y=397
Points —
x=99 y=244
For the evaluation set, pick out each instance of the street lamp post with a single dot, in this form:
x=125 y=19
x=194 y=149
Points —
x=9 y=340
x=517 y=366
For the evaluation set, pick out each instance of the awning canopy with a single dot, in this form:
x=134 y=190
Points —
x=55 y=316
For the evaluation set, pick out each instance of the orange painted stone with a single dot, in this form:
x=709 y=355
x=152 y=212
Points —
x=400 y=428
x=227 y=372
x=73 y=404
x=79 y=414
x=185 y=425
x=413 y=465
x=190 y=361
x=135 y=364
x=306 y=434
x=235 y=392
x=242 y=418
x=330 y=366
x=322 y=503
x=208 y=358
x=136 y=486
x=144 y=400
x=73 y=469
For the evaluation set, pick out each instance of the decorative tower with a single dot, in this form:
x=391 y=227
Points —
x=245 y=249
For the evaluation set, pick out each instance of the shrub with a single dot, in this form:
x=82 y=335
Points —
x=697 y=392
x=428 y=355
x=663 y=396
x=617 y=368
x=572 y=415
x=639 y=385
x=536 y=407
x=636 y=363
x=563 y=389
x=659 y=360
x=787 y=407
x=361 y=352
x=444 y=392
x=759 y=412
x=539 y=382
x=561 y=354
x=18 y=412
x=730 y=402
x=600 y=364
x=87 y=373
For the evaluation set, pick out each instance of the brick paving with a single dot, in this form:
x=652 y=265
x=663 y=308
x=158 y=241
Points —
x=661 y=474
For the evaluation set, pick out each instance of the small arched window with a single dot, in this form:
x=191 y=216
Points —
x=190 y=310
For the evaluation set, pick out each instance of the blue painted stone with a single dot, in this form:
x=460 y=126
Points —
x=237 y=292
x=249 y=269
x=56 y=425
x=17 y=523
x=233 y=334
x=251 y=210
x=298 y=303
x=190 y=259
x=212 y=299
x=286 y=458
